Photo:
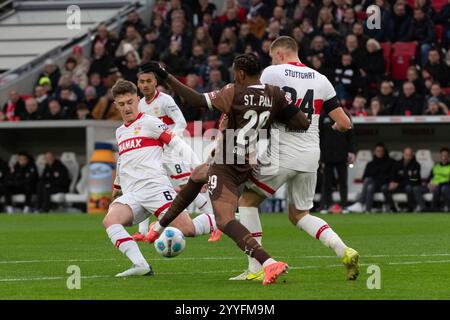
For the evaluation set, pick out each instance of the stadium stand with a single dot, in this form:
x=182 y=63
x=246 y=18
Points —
x=43 y=59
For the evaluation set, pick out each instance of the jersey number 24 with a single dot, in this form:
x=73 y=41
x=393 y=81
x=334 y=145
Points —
x=306 y=104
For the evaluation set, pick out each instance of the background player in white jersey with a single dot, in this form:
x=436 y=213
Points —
x=145 y=187
x=163 y=106
x=293 y=156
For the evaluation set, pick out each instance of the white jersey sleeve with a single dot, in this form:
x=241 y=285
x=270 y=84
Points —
x=155 y=127
x=173 y=111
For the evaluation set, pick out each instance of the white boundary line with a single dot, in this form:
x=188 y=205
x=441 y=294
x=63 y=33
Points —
x=227 y=258
x=215 y=271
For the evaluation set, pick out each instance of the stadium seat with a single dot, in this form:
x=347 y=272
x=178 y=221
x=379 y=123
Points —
x=40 y=163
x=437 y=5
x=81 y=187
x=400 y=197
x=209 y=125
x=423 y=156
x=439 y=30
x=378 y=196
x=428 y=196
x=352 y=196
x=403 y=53
x=361 y=15
x=18 y=198
x=446 y=90
x=396 y=155
x=363 y=157
x=190 y=128
x=387 y=54
x=356 y=172
x=69 y=159
x=12 y=161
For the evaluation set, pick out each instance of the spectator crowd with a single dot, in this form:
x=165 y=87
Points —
x=197 y=42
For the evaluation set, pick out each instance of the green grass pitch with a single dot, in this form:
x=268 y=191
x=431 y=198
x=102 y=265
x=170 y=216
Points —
x=412 y=251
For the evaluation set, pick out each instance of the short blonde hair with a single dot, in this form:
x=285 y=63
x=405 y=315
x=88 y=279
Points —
x=375 y=43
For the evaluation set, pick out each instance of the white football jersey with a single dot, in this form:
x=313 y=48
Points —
x=140 y=154
x=164 y=107
x=310 y=91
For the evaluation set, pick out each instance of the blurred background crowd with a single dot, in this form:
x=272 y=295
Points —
x=400 y=69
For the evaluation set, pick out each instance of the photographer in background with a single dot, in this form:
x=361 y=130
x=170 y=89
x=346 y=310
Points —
x=337 y=150
x=23 y=181
x=54 y=179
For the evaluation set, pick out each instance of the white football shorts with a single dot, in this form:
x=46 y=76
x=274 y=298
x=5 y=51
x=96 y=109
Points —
x=300 y=186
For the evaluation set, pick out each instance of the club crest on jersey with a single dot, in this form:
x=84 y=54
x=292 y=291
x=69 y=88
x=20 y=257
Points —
x=156 y=111
x=137 y=129
x=288 y=98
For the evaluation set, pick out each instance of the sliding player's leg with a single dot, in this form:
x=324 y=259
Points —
x=258 y=187
x=181 y=201
x=125 y=211
x=202 y=224
x=223 y=186
x=300 y=197
x=203 y=205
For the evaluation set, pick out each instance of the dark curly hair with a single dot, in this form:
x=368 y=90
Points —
x=249 y=63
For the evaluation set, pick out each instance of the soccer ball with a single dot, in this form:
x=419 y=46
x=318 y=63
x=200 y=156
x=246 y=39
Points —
x=170 y=243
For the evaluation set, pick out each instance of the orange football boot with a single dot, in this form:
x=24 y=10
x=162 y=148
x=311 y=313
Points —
x=215 y=236
x=272 y=271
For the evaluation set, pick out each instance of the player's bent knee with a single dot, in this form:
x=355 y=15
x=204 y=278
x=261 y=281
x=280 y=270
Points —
x=184 y=223
x=296 y=215
x=187 y=230
x=118 y=213
x=250 y=198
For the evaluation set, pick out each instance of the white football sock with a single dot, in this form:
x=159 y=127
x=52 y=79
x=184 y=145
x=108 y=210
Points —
x=268 y=261
x=249 y=218
x=202 y=204
x=143 y=226
x=320 y=230
x=204 y=224
x=125 y=243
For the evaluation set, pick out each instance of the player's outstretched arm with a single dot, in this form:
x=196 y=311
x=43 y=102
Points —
x=178 y=145
x=341 y=119
x=194 y=98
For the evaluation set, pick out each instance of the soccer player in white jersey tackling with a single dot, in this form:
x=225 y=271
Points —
x=145 y=187
x=163 y=106
x=298 y=154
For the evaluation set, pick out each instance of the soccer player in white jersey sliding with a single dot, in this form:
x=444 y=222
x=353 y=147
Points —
x=163 y=106
x=145 y=187
x=293 y=157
